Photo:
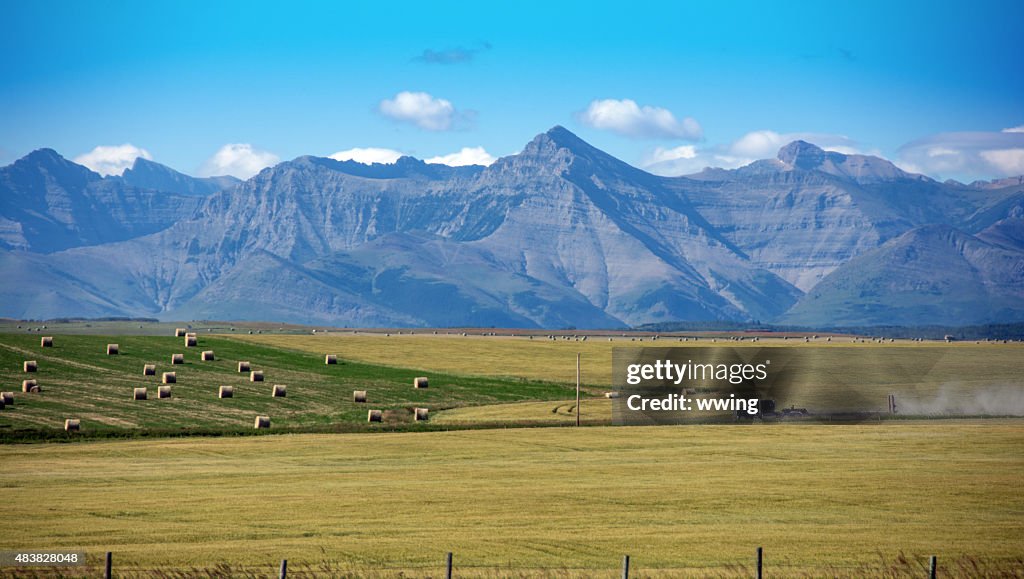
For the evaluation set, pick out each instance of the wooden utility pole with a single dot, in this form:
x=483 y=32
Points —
x=577 y=388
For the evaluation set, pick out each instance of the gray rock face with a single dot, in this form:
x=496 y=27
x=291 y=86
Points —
x=560 y=235
x=48 y=203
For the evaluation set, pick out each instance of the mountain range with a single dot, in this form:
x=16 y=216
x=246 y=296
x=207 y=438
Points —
x=558 y=235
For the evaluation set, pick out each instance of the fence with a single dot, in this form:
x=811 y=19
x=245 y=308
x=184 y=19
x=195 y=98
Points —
x=449 y=568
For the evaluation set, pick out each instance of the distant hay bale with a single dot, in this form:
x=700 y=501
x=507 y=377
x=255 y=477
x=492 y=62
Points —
x=7 y=397
x=149 y=370
x=611 y=394
x=374 y=416
x=31 y=366
x=359 y=396
x=280 y=391
x=191 y=341
x=262 y=422
x=208 y=356
x=46 y=342
x=330 y=359
x=177 y=359
x=420 y=414
x=163 y=392
x=30 y=386
x=169 y=378
x=243 y=367
x=139 y=394
x=72 y=425
x=256 y=376
x=226 y=392
x=420 y=382
x=180 y=332
x=113 y=349
x=191 y=335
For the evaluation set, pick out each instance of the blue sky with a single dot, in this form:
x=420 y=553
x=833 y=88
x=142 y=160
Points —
x=935 y=86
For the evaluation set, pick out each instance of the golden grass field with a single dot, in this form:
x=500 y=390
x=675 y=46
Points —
x=682 y=501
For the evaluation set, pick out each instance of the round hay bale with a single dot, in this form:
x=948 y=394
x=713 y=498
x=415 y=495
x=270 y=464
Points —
x=226 y=392
x=374 y=416
x=177 y=359
x=330 y=359
x=208 y=356
x=149 y=370
x=243 y=367
x=256 y=376
x=72 y=425
x=163 y=392
x=262 y=422
x=46 y=342
x=139 y=394
x=359 y=396
x=191 y=342
x=421 y=414
x=31 y=366
x=169 y=378
x=280 y=391
x=612 y=394
x=180 y=332
x=7 y=397
x=29 y=386
x=420 y=382
x=113 y=349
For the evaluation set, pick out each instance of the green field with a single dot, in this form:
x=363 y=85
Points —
x=822 y=500
x=79 y=380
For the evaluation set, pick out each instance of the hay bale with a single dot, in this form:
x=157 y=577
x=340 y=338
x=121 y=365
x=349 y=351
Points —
x=208 y=356
x=243 y=366
x=420 y=414
x=169 y=378
x=2 y=404
x=256 y=376
x=31 y=366
x=149 y=370
x=612 y=394
x=113 y=349
x=226 y=392
x=419 y=382
x=177 y=359
x=180 y=332
x=374 y=416
x=262 y=422
x=163 y=392
x=280 y=391
x=30 y=386
x=139 y=394
x=46 y=341
x=359 y=396
x=7 y=397
x=72 y=425
x=191 y=341
x=330 y=359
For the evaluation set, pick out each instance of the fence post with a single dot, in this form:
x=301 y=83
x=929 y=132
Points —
x=933 y=565
x=284 y=569
x=625 y=567
x=760 y=562
x=108 y=567
x=448 y=565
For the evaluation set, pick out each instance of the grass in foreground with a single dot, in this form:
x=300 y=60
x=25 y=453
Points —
x=558 y=502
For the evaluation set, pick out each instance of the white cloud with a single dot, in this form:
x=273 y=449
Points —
x=112 y=159
x=368 y=155
x=420 y=109
x=465 y=156
x=240 y=160
x=766 y=144
x=626 y=117
x=966 y=155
